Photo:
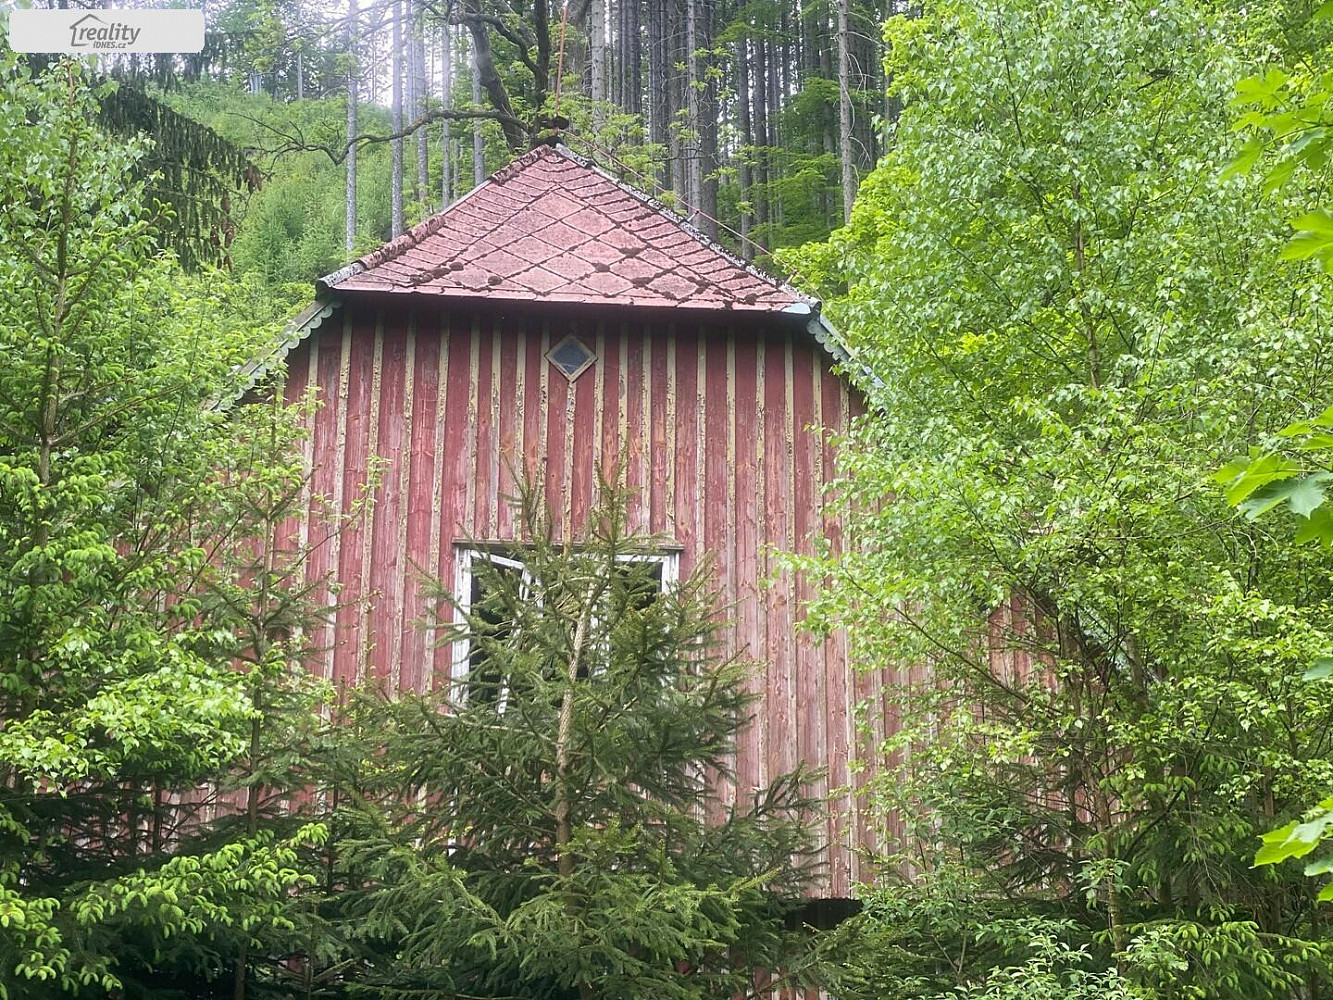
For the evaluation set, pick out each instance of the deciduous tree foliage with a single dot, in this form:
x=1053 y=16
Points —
x=1067 y=318
x=122 y=712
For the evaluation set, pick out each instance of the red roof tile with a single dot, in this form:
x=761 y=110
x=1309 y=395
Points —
x=551 y=227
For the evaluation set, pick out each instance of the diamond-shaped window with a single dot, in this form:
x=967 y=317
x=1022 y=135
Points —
x=571 y=356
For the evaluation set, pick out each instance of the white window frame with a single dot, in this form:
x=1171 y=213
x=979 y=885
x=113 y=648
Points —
x=463 y=573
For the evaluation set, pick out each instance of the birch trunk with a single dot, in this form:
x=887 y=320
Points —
x=412 y=191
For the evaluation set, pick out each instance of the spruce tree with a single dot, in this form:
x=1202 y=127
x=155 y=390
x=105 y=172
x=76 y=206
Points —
x=546 y=822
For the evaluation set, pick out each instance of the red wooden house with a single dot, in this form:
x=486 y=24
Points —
x=555 y=320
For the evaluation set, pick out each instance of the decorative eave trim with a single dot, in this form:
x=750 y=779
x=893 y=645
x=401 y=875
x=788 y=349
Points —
x=827 y=337
x=306 y=322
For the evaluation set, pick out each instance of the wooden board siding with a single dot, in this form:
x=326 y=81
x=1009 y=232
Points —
x=710 y=425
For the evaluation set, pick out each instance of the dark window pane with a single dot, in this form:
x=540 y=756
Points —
x=486 y=680
x=570 y=356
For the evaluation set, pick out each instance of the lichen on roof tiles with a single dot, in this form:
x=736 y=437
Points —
x=552 y=227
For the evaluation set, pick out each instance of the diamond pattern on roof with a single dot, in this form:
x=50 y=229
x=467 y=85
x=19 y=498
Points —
x=551 y=227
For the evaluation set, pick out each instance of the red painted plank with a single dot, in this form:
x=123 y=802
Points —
x=715 y=496
x=534 y=412
x=420 y=498
x=811 y=683
x=323 y=485
x=557 y=396
x=688 y=487
x=483 y=416
x=777 y=601
x=386 y=566
x=347 y=656
x=612 y=374
x=636 y=432
x=750 y=750
x=584 y=447
x=454 y=459
x=296 y=378
x=835 y=665
x=509 y=458
x=657 y=435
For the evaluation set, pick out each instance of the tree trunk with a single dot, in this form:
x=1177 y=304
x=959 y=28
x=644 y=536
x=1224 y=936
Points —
x=396 y=115
x=352 y=16
x=412 y=191
x=420 y=90
x=659 y=87
x=597 y=59
x=564 y=813
x=710 y=116
x=633 y=96
x=541 y=27
x=845 y=117
x=690 y=144
x=761 y=142
x=776 y=136
x=478 y=140
x=747 y=143
x=447 y=102
x=488 y=78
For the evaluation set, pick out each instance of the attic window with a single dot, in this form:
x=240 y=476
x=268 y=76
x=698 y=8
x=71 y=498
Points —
x=571 y=356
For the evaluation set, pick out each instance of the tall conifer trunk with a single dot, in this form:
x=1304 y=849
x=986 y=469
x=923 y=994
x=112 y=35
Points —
x=353 y=12
x=396 y=113
x=746 y=140
x=446 y=98
x=478 y=140
x=659 y=87
x=420 y=91
x=597 y=45
x=693 y=125
x=845 y=116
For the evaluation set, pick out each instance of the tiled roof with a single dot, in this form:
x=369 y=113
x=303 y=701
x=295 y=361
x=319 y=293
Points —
x=551 y=227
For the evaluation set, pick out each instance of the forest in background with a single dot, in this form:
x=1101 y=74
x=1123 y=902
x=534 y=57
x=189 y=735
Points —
x=752 y=119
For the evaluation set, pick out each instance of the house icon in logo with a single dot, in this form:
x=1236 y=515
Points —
x=77 y=29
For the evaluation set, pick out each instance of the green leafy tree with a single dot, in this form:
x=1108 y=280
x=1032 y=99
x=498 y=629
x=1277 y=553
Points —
x=122 y=714
x=548 y=825
x=1294 y=479
x=1072 y=318
x=1285 y=112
